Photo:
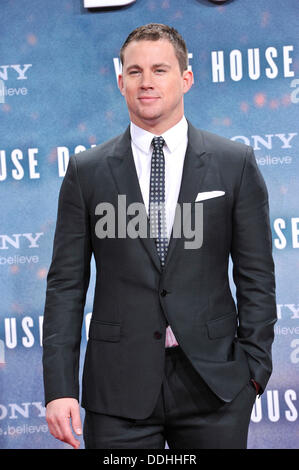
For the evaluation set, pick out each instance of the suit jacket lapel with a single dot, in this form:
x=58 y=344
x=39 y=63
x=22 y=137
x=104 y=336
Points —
x=194 y=171
x=123 y=169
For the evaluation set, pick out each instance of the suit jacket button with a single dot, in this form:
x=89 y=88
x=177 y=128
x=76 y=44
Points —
x=157 y=335
x=163 y=293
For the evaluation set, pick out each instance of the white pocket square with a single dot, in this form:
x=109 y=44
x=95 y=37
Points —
x=208 y=195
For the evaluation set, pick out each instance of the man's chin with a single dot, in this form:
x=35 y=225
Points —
x=150 y=118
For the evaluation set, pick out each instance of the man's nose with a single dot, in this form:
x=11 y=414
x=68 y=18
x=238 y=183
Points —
x=146 y=80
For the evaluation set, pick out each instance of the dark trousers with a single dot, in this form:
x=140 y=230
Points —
x=187 y=415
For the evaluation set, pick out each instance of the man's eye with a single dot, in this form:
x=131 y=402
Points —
x=134 y=72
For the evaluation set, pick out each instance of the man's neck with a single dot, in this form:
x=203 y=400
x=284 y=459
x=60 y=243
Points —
x=157 y=128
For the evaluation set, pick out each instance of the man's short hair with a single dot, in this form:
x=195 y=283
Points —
x=154 y=32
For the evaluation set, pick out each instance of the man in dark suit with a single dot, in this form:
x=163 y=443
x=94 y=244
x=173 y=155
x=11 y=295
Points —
x=170 y=356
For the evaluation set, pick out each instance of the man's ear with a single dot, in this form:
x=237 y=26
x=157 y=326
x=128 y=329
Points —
x=120 y=84
x=188 y=80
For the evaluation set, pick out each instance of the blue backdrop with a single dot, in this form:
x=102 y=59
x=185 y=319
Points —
x=59 y=95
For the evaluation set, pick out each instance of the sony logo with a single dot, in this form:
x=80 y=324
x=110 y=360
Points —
x=14 y=411
x=284 y=310
x=15 y=240
x=266 y=140
x=18 y=71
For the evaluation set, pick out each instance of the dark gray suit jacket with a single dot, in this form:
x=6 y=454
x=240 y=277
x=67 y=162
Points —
x=228 y=343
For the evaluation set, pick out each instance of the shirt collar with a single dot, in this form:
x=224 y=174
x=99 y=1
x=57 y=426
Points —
x=173 y=136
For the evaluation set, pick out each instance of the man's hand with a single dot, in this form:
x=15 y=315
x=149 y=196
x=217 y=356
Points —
x=58 y=415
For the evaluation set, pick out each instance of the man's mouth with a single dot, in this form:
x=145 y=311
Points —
x=148 y=98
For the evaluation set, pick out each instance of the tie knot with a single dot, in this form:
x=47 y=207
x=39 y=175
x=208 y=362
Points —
x=158 y=143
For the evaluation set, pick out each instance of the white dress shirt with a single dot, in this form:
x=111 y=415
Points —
x=176 y=140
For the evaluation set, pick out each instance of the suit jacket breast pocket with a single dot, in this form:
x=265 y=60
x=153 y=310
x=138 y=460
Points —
x=216 y=205
x=103 y=331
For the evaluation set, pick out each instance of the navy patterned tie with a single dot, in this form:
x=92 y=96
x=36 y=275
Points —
x=157 y=212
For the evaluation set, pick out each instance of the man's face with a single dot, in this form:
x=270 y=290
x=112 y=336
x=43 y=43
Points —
x=153 y=84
